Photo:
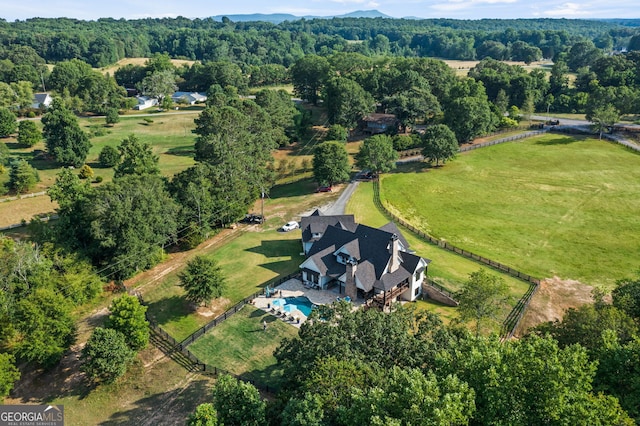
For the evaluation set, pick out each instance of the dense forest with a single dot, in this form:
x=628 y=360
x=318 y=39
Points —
x=105 y=41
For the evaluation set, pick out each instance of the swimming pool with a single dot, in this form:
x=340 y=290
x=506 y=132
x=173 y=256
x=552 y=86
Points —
x=303 y=304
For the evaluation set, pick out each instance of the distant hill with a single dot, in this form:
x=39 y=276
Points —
x=623 y=21
x=276 y=18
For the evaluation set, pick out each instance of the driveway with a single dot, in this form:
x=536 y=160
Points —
x=340 y=205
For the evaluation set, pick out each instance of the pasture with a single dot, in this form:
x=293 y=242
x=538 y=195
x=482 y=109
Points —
x=549 y=206
x=446 y=269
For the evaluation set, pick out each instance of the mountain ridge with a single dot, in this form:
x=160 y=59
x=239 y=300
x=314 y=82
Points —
x=276 y=18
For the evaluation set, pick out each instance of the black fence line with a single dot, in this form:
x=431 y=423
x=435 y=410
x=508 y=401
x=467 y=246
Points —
x=513 y=319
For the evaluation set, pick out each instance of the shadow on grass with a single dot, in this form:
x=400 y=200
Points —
x=294 y=189
x=169 y=309
x=170 y=407
x=182 y=151
x=414 y=167
x=560 y=140
x=271 y=376
x=276 y=248
x=15 y=145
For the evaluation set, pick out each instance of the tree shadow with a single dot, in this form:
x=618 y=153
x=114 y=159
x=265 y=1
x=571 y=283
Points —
x=414 y=167
x=182 y=151
x=171 y=407
x=169 y=309
x=271 y=376
x=559 y=140
x=276 y=248
x=294 y=189
x=15 y=145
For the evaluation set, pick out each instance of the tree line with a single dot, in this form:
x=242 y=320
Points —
x=105 y=41
x=349 y=367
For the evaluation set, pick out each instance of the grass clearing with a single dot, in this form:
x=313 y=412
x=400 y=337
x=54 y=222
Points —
x=141 y=62
x=240 y=345
x=447 y=269
x=549 y=205
x=169 y=135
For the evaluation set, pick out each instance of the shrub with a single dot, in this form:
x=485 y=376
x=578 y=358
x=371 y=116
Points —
x=98 y=179
x=86 y=172
x=337 y=133
x=109 y=156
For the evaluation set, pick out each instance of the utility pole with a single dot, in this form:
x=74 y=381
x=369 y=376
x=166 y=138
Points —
x=262 y=203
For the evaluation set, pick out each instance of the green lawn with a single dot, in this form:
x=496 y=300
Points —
x=169 y=135
x=447 y=269
x=247 y=261
x=550 y=205
x=240 y=346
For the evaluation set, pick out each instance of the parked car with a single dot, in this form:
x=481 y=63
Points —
x=323 y=189
x=290 y=226
x=252 y=218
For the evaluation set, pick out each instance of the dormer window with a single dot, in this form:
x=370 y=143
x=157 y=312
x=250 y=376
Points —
x=316 y=235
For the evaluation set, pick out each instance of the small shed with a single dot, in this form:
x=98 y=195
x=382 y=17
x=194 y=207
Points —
x=379 y=123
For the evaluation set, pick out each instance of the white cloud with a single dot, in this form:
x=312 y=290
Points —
x=568 y=10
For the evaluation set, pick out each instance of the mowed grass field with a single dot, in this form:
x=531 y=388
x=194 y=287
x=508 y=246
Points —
x=446 y=269
x=553 y=205
x=241 y=346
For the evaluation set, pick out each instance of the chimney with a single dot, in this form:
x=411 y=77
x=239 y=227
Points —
x=350 y=288
x=394 y=251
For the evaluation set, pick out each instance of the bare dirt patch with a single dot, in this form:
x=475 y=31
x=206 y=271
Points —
x=552 y=299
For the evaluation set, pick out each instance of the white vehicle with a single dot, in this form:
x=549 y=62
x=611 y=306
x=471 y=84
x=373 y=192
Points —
x=290 y=226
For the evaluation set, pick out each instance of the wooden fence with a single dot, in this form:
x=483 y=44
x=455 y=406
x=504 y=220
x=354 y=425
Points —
x=179 y=350
x=513 y=319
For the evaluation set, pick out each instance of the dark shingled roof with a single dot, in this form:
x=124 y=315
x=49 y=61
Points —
x=317 y=223
x=370 y=247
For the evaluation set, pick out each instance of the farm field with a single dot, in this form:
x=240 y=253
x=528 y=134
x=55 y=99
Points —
x=549 y=206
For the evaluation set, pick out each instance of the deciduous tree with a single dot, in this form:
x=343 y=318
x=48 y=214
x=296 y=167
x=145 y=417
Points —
x=603 y=118
x=439 y=143
x=238 y=403
x=377 y=154
x=308 y=75
x=106 y=355
x=9 y=373
x=331 y=163
x=482 y=298
x=202 y=280
x=128 y=317
x=109 y=156
x=205 y=415
x=65 y=140
x=28 y=133
x=8 y=122
x=45 y=328
x=136 y=158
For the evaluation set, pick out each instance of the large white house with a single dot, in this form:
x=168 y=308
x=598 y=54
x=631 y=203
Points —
x=367 y=263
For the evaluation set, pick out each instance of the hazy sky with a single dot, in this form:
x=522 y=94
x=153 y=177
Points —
x=462 y=9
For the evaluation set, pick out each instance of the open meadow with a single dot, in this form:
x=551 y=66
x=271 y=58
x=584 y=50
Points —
x=553 y=205
x=169 y=134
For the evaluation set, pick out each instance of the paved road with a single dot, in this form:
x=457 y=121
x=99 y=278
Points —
x=340 y=205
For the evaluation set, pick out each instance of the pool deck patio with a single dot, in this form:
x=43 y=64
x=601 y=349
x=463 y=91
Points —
x=295 y=288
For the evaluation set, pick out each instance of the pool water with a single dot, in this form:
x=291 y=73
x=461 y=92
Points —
x=303 y=304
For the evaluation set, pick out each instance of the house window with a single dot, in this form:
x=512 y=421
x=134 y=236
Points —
x=418 y=275
x=417 y=292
